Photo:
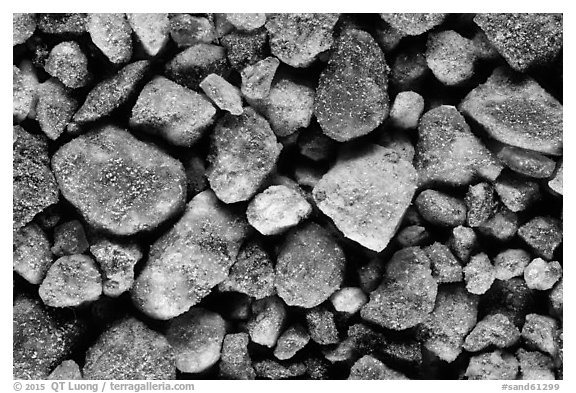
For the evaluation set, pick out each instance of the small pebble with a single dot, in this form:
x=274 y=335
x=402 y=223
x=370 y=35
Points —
x=189 y=67
x=501 y=227
x=291 y=341
x=235 y=362
x=69 y=64
x=226 y=96
x=451 y=57
x=441 y=209
x=517 y=194
x=406 y=110
x=187 y=30
x=257 y=78
x=540 y=332
x=245 y=48
x=370 y=368
x=111 y=33
x=511 y=263
x=151 y=30
x=348 y=300
x=321 y=326
x=67 y=370
x=481 y=203
x=31 y=255
x=479 y=274
x=445 y=267
x=413 y=235
x=535 y=365
x=23 y=26
x=542 y=275
x=494 y=330
x=525 y=162
x=246 y=22
x=69 y=239
x=496 y=365
x=55 y=108
x=413 y=23
x=267 y=321
x=543 y=235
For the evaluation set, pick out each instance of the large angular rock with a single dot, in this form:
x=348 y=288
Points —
x=118 y=183
x=243 y=153
x=130 y=350
x=448 y=153
x=515 y=110
x=352 y=94
x=407 y=293
x=111 y=33
x=190 y=259
x=31 y=255
x=525 y=40
x=310 y=266
x=367 y=194
x=297 y=39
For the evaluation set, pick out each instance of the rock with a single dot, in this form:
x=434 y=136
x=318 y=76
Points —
x=191 y=66
x=406 y=295
x=235 y=361
x=445 y=266
x=67 y=370
x=516 y=111
x=321 y=326
x=187 y=30
x=542 y=275
x=479 y=274
x=252 y=274
x=55 y=108
x=309 y=267
x=441 y=209
x=277 y=209
x=298 y=39
x=535 y=365
x=525 y=162
x=33 y=185
x=196 y=338
x=409 y=70
x=69 y=64
x=540 y=332
x=517 y=194
x=343 y=107
x=413 y=23
x=556 y=300
x=62 y=24
x=23 y=26
x=243 y=153
x=348 y=300
x=452 y=319
x=24 y=95
x=406 y=111
x=31 y=255
x=448 y=153
x=118 y=183
x=291 y=341
x=69 y=239
x=483 y=47
x=267 y=321
x=543 y=235
x=316 y=146
x=226 y=96
x=117 y=260
x=481 y=203
x=130 y=350
x=463 y=242
x=370 y=275
x=113 y=92
x=511 y=298
x=317 y=368
x=190 y=259
x=177 y=114
x=370 y=368
x=501 y=227
x=413 y=235
x=524 y=40
x=71 y=281
x=111 y=33
x=511 y=263
x=367 y=194
x=496 y=365
x=245 y=21
x=42 y=338
x=245 y=48
x=151 y=30
x=451 y=57
x=494 y=330
x=271 y=369
x=257 y=78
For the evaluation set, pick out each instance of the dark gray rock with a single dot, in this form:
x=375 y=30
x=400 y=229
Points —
x=441 y=209
x=543 y=235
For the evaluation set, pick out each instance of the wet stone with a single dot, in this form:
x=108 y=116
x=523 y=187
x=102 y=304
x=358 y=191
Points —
x=24 y=95
x=517 y=194
x=245 y=48
x=367 y=194
x=267 y=321
x=277 y=209
x=516 y=111
x=257 y=78
x=481 y=203
x=226 y=96
x=243 y=153
x=55 y=108
x=352 y=94
x=118 y=183
x=479 y=274
x=246 y=21
x=297 y=39
x=448 y=153
x=494 y=330
x=310 y=266
x=524 y=40
x=413 y=23
x=69 y=64
x=501 y=227
x=407 y=293
x=235 y=361
x=111 y=33
x=71 y=281
x=252 y=274
x=271 y=369
x=321 y=326
x=291 y=341
x=69 y=239
x=67 y=370
x=441 y=209
x=543 y=235
x=62 y=23
x=117 y=260
x=23 y=26
x=31 y=255
x=542 y=275
x=370 y=368
x=190 y=259
x=151 y=30
x=497 y=365
x=191 y=66
x=463 y=242
x=179 y=115
x=556 y=182
x=451 y=57
x=535 y=365
x=539 y=332
x=511 y=263
x=445 y=266
x=406 y=111
x=196 y=338
x=130 y=350
x=187 y=30
x=453 y=318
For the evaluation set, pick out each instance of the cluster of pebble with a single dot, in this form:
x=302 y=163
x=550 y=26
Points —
x=269 y=196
